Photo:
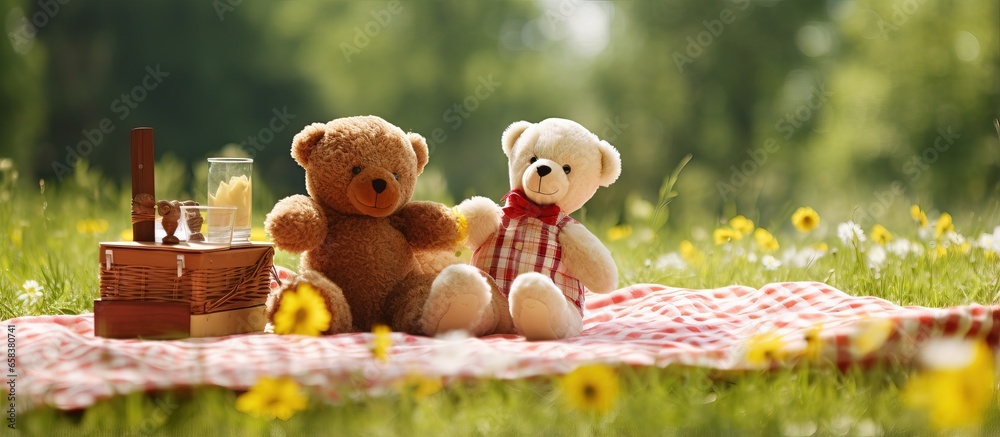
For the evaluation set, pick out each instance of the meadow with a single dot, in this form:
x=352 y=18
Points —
x=915 y=256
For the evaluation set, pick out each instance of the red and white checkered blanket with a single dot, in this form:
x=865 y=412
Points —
x=60 y=362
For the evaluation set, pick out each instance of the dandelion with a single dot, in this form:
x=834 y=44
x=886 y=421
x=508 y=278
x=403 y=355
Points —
x=126 y=235
x=770 y=262
x=92 y=227
x=763 y=349
x=850 y=232
x=765 y=240
x=943 y=225
x=821 y=247
x=805 y=219
x=272 y=398
x=725 y=235
x=302 y=311
x=957 y=386
x=32 y=292
x=814 y=344
x=381 y=342
x=871 y=334
x=690 y=253
x=17 y=237
x=918 y=216
x=939 y=252
x=741 y=224
x=591 y=388
x=619 y=232
x=881 y=235
x=419 y=387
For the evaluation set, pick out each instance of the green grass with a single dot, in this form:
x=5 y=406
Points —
x=40 y=240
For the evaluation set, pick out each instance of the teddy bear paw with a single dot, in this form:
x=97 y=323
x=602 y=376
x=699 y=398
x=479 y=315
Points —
x=540 y=311
x=458 y=299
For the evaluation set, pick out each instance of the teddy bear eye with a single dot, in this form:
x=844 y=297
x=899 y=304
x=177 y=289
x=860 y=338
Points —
x=356 y=170
x=567 y=169
x=396 y=175
x=533 y=159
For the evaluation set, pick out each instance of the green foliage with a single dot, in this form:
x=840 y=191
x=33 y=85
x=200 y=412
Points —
x=847 y=97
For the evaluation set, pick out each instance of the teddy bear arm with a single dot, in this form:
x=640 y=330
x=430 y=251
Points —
x=427 y=225
x=483 y=218
x=297 y=224
x=587 y=259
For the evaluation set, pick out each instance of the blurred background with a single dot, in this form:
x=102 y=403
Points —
x=853 y=106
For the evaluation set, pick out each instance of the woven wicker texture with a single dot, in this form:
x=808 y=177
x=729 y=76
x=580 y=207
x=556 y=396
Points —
x=209 y=281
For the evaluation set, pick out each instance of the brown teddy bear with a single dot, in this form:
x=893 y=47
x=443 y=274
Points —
x=361 y=236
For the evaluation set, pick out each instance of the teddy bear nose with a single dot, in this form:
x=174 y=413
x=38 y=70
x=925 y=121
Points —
x=543 y=170
x=378 y=185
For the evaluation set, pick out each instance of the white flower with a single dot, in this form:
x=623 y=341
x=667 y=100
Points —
x=770 y=262
x=848 y=232
x=752 y=257
x=672 y=260
x=947 y=353
x=802 y=258
x=900 y=247
x=876 y=256
x=32 y=292
x=990 y=242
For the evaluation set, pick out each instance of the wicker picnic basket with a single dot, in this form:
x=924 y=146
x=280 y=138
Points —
x=210 y=281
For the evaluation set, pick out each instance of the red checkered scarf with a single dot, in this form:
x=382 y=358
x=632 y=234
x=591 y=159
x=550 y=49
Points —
x=526 y=243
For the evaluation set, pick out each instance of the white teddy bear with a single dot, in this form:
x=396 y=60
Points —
x=541 y=259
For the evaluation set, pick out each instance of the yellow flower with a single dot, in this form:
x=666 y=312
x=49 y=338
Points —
x=302 y=311
x=814 y=344
x=881 y=235
x=955 y=395
x=962 y=248
x=258 y=234
x=805 y=219
x=619 y=232
x=821 y=246
x=17 y=237
x=690 y=253
x=419 y=387
x=272 y=398
x=381 y=342
x=742 y=224
x=764 y=349
x=591 y=388
x=943 y=225
x=871 y=334
x=91 y=226
x=126 y=235
x=918 y=216
x=939 y=252
x=725 y=235
x=765 y=240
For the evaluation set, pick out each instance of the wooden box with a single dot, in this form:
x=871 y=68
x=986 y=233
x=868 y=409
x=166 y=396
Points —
x=152 y=290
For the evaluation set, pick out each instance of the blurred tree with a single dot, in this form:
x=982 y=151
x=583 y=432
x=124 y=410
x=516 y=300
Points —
x=22 y=62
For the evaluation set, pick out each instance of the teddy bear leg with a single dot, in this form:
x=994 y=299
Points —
x=460 y=298
x=540 y=311
x=340 y=320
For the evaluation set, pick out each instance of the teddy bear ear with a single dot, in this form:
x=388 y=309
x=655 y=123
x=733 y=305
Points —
x=305 y=141
x=420 y=148
x=611 y=163
x=512 y=133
